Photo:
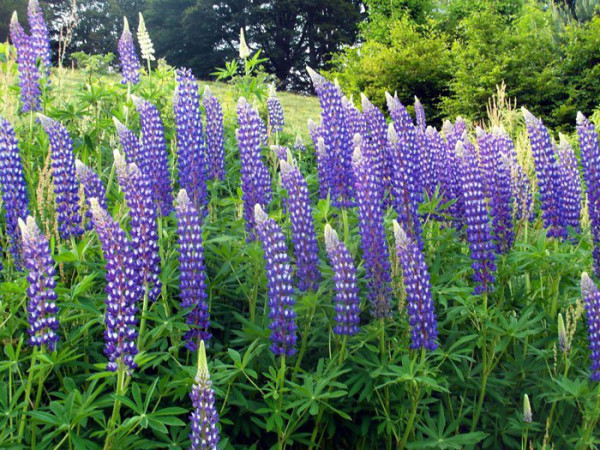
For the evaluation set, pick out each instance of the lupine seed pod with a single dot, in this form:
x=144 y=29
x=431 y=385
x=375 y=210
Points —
x=146 y=46
x=420 y=115
x=29 y=76
x=92 y=187
x=12 y=187
x=255 y=178
x=306 y=251
x=570 y=182
x=477 y=220
x=299 y=144
x=130 y=143
x=421 y=312
x=154 y=161
x=547 y=172
x=337 y=141
x=281 y=292
x=275 y=110
x=122 y=290
x=130 y=65
x=64 y=177
x=591 y=299
x=527 y=413
x=347 y=303
x=40 y=38
x=41 y=308
x=590 y=160
x=144 y=228
x=192 y=278
x=191 y=150
x=369 y=199
x=215 y=143
x=204 y=418
x=563 y=343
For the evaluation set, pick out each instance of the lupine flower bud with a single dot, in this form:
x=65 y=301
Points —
x=421 y=312
x=299 y=144
x=373 y=241
x=280 y=151
x=306 y=251
x=29 y=76
x=64 y=177
x=144 y=232
x=591 y=299
x=192 y=278
x=562 y=335
x=347 y=303
x=215 y=142
x=275 y=111
x=244 y=49
x=590 y=160
x=204 y=418
x=122 y=290
x=570 y=183
x=154 y=162
x=40 y=38
x=12 y=187
x=146 y=46
x=41 y=308
x=92 y=187
x=527 y=413
x=190 y=139
x=130 y=143
x=420 y=115
x=130 y=66
x=546 y=168
x=477 y=220
x=279 y=275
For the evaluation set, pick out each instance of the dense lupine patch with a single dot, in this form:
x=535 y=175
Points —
x=570 y=183
x=40 y=38
x=29 y=76
x=591 y=299
x=215 y=145
x=130 y=65
x=275 y=112
x=92 y=187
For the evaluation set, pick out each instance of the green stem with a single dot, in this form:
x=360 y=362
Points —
x=411 y=418
x=143 y=322
x=280 y=434
x=119 y=389
x=305 y=337
x=38 y=398
x=346 y=226
x=484 y=369
x=27 y=396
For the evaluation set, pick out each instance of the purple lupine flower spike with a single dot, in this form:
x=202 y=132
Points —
x=306 y=251
x=204 y=418
x=154 y=161
x=357 y=123
x=591 y=299
x=347 y=303
x=590 y=160
x=130 y=65
x=477 y=220
x=92 y=188
x=546 y=169
x=450 y=178
x=323 y=170
x=279 y=275
x=376 y=146
x=12 y=187
x=122 y=291
x=275 y=112
x=299 y=144
x=40 y=38
x=191 y=150
x=369 y=199
x=215 y=142
x=281 y=151
x=570 y=182
x=130 y=143
x=41 y=308
x=421 y=312
x=144 y=228
x=192 y=278
x=420 y=115
x=29 y=76
x=64 y=177
x=255 y=178
x=437 y=148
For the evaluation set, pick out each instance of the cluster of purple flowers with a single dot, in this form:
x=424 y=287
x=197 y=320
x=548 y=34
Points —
x=130 y=64
x=570 y=183
x=29 y=76
x=275 y=111
x=40 y=38
x=215 y=142
x=591 y=299
x=92 y=187
x=375 y=145
x=130 y=143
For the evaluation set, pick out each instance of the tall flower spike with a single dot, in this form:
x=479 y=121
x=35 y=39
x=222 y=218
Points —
x=255 y=178
x=420 y=115
x=154 y=160
x=146 y=46
x=375 y=143
x=281 y=292
x=421 y=312
x=144 y=232
x=306 y=251
x=29 y=76
x=275 y=111
x=40 y=38
x=192 y=278
x=121 y=289
x=527 y=413
x=299 y=144
x=64 y=177
x=369 y=199
x=204 y=418
x=591 y=299
x=450 y=175
x=41 y=308
x=570 y=182
x=590 y=159
x=130 y=65
x=215 y=141
x=12 y=187
x=477 y=220
x=347 y=303
x=130 y=143
x=547 y=172
x=191 y=150
x=244 y=49
x=92 y=187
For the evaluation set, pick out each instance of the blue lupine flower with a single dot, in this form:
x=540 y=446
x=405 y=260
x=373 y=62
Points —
x=130 y=65
x=591 y=299
x=215 y=142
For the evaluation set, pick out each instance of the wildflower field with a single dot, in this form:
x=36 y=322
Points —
x=182 y=268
